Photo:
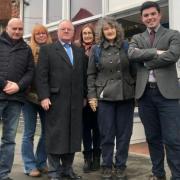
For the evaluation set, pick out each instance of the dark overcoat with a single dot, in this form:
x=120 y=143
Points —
x=62 y=82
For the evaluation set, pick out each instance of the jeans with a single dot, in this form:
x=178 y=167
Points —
x=115 y=121
x=9 y=113
x=38 y=159
x=161 y=120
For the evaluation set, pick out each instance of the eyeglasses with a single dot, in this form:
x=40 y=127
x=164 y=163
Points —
x=66 y=29
x=40 y=33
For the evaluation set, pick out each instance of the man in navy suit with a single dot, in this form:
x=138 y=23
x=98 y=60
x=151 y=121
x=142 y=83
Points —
x=156 y=52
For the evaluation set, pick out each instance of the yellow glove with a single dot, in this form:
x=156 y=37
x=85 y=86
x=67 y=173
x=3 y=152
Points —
x=93 y=104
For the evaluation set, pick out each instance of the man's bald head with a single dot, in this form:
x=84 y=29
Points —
x=15 y=28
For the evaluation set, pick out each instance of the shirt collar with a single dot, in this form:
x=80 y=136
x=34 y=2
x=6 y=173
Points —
x=156 y=29
x=63 y=43
x=106 y=44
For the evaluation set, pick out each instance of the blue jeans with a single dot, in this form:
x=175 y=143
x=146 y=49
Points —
x=161 y=120
x=38 y=159
x=9 y=114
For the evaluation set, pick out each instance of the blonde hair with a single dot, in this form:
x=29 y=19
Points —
x=38 y=28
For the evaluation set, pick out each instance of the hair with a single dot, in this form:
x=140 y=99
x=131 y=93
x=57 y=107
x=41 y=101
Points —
x=90 y=26
x=149 y=4
x=100 y=38
x=33 y=44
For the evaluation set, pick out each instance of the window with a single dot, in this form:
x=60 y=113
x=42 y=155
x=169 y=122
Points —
x=33 y=11
x=85 y=8
x=54 y=10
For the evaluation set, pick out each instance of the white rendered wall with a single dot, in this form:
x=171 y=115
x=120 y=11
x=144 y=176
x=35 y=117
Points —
x=174 y=22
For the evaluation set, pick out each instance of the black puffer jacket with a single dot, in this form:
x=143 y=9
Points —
x=16 y=64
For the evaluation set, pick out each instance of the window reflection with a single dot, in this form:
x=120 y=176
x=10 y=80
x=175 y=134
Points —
x=32 y=14
x=54 y=10
x=85 y=8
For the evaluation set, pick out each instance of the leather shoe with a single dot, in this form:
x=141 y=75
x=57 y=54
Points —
x=34 y=173
x=153 y=177
x=54 y=178
x=71 y=175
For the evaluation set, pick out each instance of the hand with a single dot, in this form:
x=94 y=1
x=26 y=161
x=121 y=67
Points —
x=11 y=87
x=93 y=104
x=46 y=103
x=160 y=52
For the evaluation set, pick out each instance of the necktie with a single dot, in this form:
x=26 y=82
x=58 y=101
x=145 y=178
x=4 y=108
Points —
x=69 y=52
x=152 y=37
x=151 y=73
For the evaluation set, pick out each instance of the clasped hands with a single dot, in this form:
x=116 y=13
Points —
x=93 y=104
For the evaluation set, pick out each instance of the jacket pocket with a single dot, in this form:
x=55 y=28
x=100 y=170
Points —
x=99 y=87
x=113 y=90
x=54 y=90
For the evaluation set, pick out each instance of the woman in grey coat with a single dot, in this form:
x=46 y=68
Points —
x=111 y=88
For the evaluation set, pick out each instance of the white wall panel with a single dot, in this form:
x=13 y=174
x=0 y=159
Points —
x=118 y=5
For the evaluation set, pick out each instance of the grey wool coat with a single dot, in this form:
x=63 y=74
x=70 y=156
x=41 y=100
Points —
x=110 y=79
x=58 y=80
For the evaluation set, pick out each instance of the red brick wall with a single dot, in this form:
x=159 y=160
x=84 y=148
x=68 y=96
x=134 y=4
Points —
x=15 y=10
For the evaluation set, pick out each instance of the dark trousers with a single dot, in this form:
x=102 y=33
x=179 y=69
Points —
x=91 y=136
x=115 y=121
x=60 y=163
x=161 y=120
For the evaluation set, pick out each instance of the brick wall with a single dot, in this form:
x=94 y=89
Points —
x=8 y=9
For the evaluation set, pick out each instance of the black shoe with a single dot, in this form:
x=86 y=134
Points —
x=87 y=165
x=153 y=177
x=71 y=175
x=120 y=174
x=55 y=178
x=95 y=164
x=106 y=173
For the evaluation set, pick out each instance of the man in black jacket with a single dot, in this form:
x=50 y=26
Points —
x=16 y=72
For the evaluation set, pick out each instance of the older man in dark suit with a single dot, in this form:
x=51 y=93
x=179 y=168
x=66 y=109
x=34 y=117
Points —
x=60 y=88
x=156 y=52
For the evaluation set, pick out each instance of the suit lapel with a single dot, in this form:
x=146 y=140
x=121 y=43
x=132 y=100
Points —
x=158 y=35
x=146 y=40
x=62 y=52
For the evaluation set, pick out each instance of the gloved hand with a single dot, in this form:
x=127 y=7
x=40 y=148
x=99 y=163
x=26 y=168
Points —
x=93 y=104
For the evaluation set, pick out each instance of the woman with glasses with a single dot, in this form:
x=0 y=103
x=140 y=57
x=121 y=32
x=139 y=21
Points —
x=34 y=163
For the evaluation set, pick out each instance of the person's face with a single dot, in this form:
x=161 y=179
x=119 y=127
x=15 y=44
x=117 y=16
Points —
x=65 y=31
x=15 y=29
x=109 y=32
x=40 y=37
x=87 y=35
x=151 y=17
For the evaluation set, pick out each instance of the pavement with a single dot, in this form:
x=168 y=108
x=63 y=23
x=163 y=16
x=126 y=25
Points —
x=138 y=166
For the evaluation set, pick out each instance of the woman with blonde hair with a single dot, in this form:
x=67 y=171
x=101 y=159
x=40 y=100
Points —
x=34 y=164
